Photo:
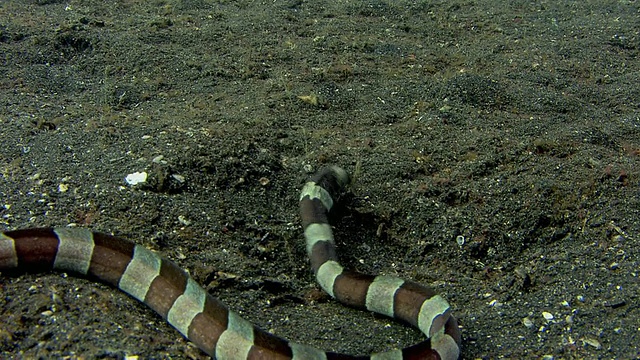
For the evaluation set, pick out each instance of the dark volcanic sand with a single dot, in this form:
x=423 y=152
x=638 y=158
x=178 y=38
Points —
x=513 y=124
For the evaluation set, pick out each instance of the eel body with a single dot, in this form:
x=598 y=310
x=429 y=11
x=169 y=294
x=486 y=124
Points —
x=204 y=320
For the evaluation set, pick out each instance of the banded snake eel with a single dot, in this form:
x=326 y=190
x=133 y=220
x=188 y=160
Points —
x=204 y=320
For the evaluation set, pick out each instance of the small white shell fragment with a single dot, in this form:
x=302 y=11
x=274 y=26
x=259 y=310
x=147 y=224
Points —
x=136 y=178
x=178 y=178
x=183 y=220
x=547 y=315
x=580 y=298
x=157 y=159
x=63 y=188
x=460 y=240
x=527 y=322
x=593 y=342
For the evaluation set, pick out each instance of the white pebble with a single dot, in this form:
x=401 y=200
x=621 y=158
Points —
x=136 y=178
x=547 y=315
x=527 y=322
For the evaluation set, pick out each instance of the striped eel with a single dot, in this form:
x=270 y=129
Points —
x=204 y=320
